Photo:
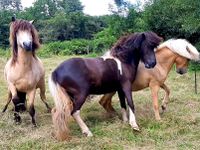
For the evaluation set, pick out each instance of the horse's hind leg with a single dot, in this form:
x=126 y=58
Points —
x=106 y=101
x=166 y=98
x=78 y=102
x=31 y=95
x=8 y=102
x=42 y=94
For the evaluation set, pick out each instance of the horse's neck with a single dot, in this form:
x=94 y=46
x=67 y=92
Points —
x=24 y=58
x=165 y=58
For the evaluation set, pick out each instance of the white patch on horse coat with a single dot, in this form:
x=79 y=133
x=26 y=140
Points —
x=23 y=36
x=179 y=46
x=132 y=120
x=83 y=126
x=107 y=55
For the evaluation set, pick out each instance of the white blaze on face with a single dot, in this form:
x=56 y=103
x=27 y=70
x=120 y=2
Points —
x=23 y=37
x=107 y=55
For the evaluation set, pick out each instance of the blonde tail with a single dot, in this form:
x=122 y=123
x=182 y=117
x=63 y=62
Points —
x=62 y=110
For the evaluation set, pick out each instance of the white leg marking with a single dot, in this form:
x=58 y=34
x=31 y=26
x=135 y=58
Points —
x=132 y=120
x=124 y=115
x=83 y=126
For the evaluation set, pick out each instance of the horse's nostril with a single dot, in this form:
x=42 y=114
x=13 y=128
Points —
x=27 y=45
x=150 y=65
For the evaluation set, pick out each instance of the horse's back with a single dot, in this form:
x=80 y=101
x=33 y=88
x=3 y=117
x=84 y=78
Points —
x=91 y=74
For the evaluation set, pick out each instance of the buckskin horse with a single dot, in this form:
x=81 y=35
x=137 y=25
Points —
x=74 y=79
x=24 y=71
x=173 y=51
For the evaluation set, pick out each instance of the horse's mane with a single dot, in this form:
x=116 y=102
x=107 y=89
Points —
x=23 y=25
x=181 y=47
x=123 y=48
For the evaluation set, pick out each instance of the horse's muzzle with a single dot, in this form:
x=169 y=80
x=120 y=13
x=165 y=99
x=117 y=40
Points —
x=181 y=71
x=150 y=65
x=28 y=46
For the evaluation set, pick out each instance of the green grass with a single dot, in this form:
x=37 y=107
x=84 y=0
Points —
x=179 y=128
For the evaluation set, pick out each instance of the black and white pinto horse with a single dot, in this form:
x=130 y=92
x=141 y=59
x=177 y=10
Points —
x=74 y=79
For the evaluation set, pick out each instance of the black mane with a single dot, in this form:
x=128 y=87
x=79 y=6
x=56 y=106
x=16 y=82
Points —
x=126 y=46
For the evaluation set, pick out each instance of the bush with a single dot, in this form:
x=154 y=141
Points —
x=103 y=41
x=77 y=46
x=5 y=53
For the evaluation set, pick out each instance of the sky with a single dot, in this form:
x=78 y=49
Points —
x=91 y=7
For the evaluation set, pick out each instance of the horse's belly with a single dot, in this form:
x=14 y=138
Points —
x=104 y=89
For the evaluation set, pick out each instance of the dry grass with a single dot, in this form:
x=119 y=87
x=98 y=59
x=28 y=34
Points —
x=179 y=128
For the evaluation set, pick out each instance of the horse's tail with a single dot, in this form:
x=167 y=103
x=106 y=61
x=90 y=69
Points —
x=62 y=110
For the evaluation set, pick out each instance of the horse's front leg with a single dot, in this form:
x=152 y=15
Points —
x=8 y=101
x=154 y=92
x=31 y=96
x=126 y=87
x=16 y=101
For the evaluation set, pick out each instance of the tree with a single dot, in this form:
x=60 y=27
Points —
x=11 y=5
x=174 y=18
x=69 y=6
x=5 y=19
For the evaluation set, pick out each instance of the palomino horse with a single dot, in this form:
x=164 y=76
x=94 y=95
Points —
x=174 y=51
x=24 y=71
x=73 y=80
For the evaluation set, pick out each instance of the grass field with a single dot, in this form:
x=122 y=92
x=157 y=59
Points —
x=179 y=128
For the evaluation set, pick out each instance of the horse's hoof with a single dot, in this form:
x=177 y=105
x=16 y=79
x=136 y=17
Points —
x=88 y=134
x=163 y=109
x=158 y=118
x=34 y=125
x=17 y=119
x=136 y=128
x=49 y=110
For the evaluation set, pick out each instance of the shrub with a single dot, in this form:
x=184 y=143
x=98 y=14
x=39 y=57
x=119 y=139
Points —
x=103 y=41
x=77 y=46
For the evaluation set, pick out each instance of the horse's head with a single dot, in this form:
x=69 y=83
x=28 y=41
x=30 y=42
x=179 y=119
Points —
x=147 y=42
x=184 y=52
x=23 y=35
x=137 y=46
x=181 y=64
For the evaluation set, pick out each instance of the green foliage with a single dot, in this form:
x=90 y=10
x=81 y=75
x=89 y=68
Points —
x=68 y=26
x=174 y=18
x=6 y=53
x=77 y=46
x=5 y=18
x=11 y=5
x=64 y=21
x=103 y=40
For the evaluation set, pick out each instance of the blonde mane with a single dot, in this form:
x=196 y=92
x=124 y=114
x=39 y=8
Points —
x=181 y=47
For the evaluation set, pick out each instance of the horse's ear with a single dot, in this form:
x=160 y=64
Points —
x=13 y=18
x=138 y=40
x=32 y=21
x=188 y=49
